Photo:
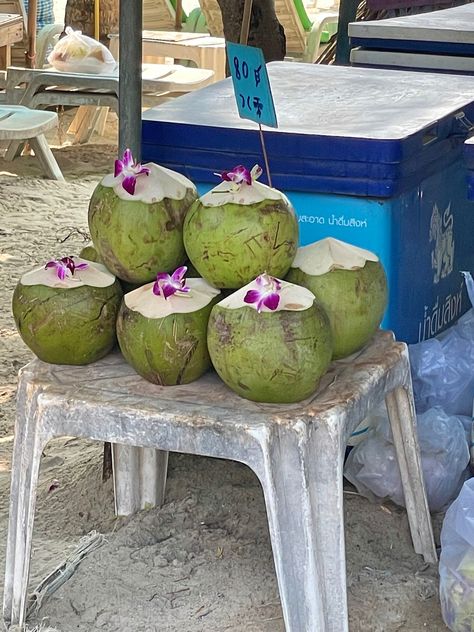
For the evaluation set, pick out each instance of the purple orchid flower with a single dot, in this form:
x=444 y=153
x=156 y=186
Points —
x=240 y=175
x=130 y=171
x=168 y=284
x=65 y=267
x=267 y=293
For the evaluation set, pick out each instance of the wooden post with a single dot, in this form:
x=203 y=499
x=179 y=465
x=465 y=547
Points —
x=178 y=24
x=347 y=13
x=244 y=32
x=130 y=78
x=31 y=26
x=97 y=19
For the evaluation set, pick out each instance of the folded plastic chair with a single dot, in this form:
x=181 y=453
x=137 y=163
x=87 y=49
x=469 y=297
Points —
x=160 y=15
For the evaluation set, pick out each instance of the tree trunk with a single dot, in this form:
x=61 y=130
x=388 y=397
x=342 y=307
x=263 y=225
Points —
x=80 y=16
x=265 y=30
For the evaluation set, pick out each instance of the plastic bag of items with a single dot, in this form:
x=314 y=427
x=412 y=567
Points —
x=456 y=564
x=82 y=54
x=372 y=466
x=443 y=367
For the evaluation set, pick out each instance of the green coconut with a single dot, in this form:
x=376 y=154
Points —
x=231 y=236
x=272 y=356
x=165 y=339
x=90 y=254
x=70 y=321
x=350 y=284
x=138 y=235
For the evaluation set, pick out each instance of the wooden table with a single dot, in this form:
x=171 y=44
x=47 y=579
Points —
x=205 y=51
x=11 y=31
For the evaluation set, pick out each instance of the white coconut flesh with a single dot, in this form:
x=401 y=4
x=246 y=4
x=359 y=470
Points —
x=245 y=195
x=293 y=298
x=151 y=305
x=160 y=183
x=331 y=254
x=95 y=275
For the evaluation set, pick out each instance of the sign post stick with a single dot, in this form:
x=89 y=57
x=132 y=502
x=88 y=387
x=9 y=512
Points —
x=265 y=155
x=245 y=28
x=252 y=90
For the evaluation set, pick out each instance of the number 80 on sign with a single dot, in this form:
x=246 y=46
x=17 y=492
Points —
x=252 y=89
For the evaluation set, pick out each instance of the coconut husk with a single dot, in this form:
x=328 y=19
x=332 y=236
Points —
x=87 y=544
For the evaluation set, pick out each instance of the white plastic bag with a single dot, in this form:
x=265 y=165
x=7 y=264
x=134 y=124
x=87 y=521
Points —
x=456 y=564
x=443 y=367
x=79 y=53
x=372 y=466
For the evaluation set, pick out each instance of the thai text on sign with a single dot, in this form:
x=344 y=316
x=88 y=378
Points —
x=252 y=89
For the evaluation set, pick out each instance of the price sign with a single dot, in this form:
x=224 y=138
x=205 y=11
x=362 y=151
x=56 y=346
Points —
x=252 y=89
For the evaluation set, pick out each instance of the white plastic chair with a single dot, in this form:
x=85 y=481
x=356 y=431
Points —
x=18 y=123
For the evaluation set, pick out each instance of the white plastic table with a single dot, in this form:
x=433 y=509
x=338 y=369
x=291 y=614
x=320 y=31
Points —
x=297 y=452
x=51 y=87
x=205 y=51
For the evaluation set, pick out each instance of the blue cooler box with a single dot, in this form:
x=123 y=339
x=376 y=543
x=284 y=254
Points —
x=439 y=41
x=445 y=32
x=469 y=155
x=372 y=157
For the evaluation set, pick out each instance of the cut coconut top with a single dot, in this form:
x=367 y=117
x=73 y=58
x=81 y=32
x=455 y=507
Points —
x=331 y=254
x=293 y=298
x=160 y=183
x=95 y=275
x=150 y=305
x=246 y=194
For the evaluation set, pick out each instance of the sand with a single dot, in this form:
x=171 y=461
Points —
x=203 y=562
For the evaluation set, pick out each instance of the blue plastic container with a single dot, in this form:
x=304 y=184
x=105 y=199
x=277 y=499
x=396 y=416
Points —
x=469 y=156
x=445 y=32
x=372 y=157
x=439 y=41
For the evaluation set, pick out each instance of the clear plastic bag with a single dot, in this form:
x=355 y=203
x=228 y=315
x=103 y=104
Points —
x=79 y=53
x=443 y=367
x=372 y=466
x=456 y=564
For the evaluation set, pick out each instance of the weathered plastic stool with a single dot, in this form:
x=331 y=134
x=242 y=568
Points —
x=295 y=450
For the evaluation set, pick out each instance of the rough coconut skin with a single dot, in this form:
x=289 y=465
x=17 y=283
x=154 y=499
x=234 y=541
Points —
x=230 y=245
x=90 y=254
x=270 y=357
x=136 y=240
x=166 y=351
x=354 y=300
x=67 y=326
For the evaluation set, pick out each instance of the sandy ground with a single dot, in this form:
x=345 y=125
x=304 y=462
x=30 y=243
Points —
x=203 y=562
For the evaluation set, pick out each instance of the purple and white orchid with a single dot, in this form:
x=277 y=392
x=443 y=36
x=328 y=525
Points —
x=168 y=284
x=266 y=296
x=240 y=175
x=129 y=171
x=65 y=267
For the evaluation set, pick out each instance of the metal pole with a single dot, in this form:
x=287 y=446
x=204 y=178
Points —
x=31 y=28
x=244 y=31
x=97 y=19
x=130 y=78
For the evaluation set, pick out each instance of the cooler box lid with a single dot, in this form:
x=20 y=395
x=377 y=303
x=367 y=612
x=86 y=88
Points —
x=342 y=130
x=425 y=62
x=449 y=31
